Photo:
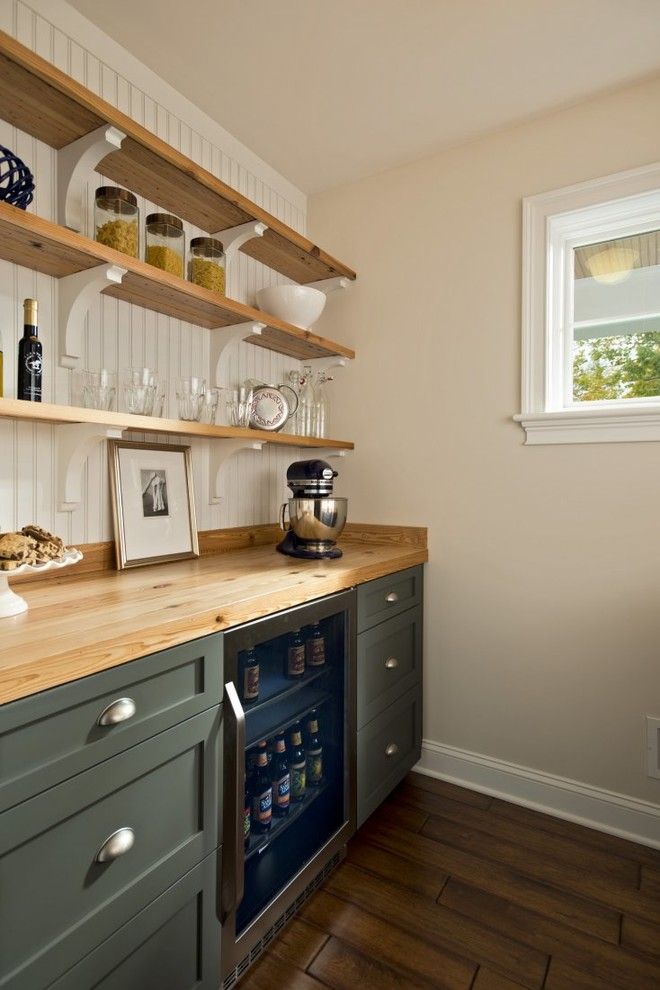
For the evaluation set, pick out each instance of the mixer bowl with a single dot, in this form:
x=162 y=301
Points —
x=317 y=520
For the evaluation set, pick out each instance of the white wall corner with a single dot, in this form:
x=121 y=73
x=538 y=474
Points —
x=594 y=807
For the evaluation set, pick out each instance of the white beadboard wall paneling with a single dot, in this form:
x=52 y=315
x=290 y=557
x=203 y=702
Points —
x=116 y=333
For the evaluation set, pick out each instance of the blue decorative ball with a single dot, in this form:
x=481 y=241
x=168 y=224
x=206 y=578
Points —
x=16 y=180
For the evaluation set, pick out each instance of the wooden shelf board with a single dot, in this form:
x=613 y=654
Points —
x=45 y=412
x=28 y=240
x=43 y=101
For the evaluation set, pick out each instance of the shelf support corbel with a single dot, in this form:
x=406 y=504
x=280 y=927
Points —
x=74 y=163
x=232 y=240
x=224 y=337
x=328 y=285
x=325 y=453
x=76 y=294
x=328 y=364
x=219 y=453
x=75 y=442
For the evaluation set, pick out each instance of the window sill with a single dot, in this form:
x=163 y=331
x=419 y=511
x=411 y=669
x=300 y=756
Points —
x=641 y=423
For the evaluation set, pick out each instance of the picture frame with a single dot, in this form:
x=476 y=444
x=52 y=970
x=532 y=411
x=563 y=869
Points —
x=153 y=505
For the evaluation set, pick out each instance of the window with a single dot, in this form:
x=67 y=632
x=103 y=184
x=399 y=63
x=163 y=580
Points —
x=591 y=311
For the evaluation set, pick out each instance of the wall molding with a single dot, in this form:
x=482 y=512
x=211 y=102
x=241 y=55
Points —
x=594 y=807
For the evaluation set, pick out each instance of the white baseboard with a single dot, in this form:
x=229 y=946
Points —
x=594 y=807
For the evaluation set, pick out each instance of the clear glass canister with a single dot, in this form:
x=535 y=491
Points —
x=165 y=243
x=117 y=219
x=206 y=266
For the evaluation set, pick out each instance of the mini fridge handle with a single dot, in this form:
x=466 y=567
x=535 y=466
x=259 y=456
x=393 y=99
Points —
x=236 y=798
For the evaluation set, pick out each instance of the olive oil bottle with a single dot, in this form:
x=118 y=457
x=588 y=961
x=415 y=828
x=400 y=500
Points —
x=30 y=356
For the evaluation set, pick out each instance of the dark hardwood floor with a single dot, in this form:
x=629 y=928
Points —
x=445 y=887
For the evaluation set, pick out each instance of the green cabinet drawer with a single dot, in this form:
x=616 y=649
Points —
x=57 y=902
x=386 y=749
x=389 y=663
x=174 y=944
x=381 y=599
x=51 y=736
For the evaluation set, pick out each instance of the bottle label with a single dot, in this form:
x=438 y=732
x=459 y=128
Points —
x=296 y=661
x=246 y=822
x=251 y=683
x=316 y=651
x=262 y=807
x=315 y=767
x=33 y=363
x=282 y=791
x=298 y=781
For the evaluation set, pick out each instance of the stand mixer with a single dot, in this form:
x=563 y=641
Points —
x=316 y=516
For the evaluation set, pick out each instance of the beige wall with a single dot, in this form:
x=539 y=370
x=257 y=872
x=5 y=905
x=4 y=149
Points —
x=543 y=591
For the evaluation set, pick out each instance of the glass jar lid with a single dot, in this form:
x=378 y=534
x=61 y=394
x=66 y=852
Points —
x=158 y=223
x=106 y=195
x=211 y=247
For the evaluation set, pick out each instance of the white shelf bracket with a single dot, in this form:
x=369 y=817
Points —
x=75 y=442
x=224 y=337
x=74 y=163
x=328 y=285
x=76 y=294
x=219 y=453
x=232 y=240
x=325 y=454
x=328 y=364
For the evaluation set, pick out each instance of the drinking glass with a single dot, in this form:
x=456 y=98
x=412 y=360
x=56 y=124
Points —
x=99 y=389
x=139 y=389
x=239 y=405
x=158 y=406
x=190 y=393
x=209 y=406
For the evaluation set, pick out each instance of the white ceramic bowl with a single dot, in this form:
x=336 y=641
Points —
x=298 y=304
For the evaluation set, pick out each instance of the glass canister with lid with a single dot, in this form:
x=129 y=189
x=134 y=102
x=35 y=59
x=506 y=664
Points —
x=165 y=243
x=206 y=266
x=117 y=219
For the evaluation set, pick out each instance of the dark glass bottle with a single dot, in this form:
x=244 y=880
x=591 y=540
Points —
x=281 y=778
x=250 y=667
x=297 y=764
x=29 y=356
x=247 y=813
x=315 y=646
x=313 y=751
x=295 y=655
x=261 y=792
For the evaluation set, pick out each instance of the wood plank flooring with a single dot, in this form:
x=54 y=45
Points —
x=447 y=888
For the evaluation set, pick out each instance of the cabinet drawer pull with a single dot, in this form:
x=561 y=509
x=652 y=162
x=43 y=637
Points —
x=392 y=598
x=116 y=845
x=391 y=663
x=117 y=711
x=391 y=750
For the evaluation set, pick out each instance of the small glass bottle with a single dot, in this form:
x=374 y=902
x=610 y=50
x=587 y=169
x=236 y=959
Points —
x=165 y=243
x=306 y=404
x=117 y=220
x=250 y=667
x=295 y=655
x=297 y=764
x=281 y=778
x=315 y=647
x=322 y=406
x=206 y=264
x=261 y=791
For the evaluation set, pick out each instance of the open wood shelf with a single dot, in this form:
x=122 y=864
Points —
x=46 y=103
x=29 y=240
x=45 y=412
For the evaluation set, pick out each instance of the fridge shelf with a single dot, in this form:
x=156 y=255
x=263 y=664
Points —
x=259 y=844
x=281 y=688
x=266 y=722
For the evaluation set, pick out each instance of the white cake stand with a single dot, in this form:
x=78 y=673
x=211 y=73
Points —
x=13 y=604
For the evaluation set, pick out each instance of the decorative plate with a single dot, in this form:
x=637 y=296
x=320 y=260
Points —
x=270 y=410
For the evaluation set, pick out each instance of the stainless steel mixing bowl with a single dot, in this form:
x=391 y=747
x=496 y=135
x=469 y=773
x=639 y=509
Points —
x=317 y=520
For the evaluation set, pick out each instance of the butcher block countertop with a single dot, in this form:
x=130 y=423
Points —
x=79 y=626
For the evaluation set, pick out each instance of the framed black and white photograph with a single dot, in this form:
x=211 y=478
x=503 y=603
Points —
x=153 y=506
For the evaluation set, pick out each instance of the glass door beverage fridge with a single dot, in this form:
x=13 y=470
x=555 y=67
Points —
x=289 y=760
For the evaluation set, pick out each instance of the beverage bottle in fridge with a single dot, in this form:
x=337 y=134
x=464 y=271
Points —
x=295 y=655
x=261 y=791
x=281 y=778
x=313 y=752
x=297 y=764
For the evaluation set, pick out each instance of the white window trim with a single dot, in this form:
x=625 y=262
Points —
x=553 y=223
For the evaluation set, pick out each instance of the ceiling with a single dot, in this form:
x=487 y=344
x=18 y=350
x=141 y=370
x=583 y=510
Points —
x=329 y=92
